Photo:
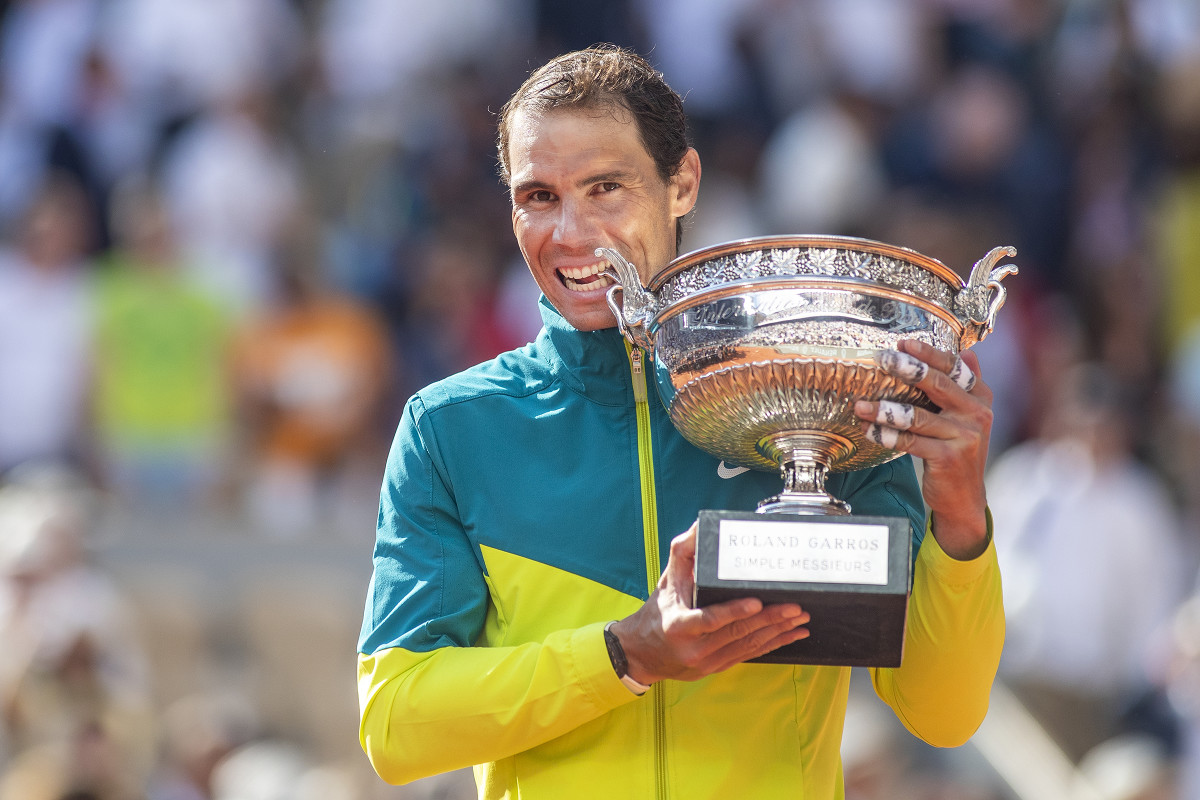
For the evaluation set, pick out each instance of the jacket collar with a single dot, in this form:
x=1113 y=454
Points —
x=593 y=363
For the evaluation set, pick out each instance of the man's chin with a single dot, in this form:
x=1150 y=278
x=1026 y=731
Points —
x=586 y=316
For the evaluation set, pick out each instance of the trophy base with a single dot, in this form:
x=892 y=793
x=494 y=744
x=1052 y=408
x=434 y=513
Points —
x=805 y=504
x=850 y=573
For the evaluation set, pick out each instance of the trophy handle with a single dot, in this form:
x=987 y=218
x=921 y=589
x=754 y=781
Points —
x=982 y=298
x=632 y=305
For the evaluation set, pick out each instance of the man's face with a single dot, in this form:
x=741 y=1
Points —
x=582 y=179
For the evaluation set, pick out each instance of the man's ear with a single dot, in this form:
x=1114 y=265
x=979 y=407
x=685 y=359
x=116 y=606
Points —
x=684 y=186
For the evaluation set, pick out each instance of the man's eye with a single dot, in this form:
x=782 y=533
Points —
x=609 y=186
x=541 y=196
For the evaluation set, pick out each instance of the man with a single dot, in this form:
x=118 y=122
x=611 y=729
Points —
x=526 y=502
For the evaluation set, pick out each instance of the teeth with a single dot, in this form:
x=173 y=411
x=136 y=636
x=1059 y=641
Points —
x=572 y=277
x=603 y=282
x=578 y=273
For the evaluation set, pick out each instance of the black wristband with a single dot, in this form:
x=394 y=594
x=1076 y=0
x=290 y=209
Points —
x=620 y=664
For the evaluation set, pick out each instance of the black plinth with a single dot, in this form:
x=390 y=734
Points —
x=851 y=574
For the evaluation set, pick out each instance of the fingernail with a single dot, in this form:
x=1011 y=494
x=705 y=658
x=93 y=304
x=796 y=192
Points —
x=863 y=408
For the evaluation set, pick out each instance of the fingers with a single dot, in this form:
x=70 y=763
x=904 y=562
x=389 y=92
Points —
x=784 y=615
x=951 y=381
x=962 y=369
x=684 y=545
x=762 y=641
x=667 y=638
x=737 y=626
x=890 y=420
x=907 y=368
x=883 y=436
x=681 y=562
x=770 y=628
x=951 y=440
x=911 y=369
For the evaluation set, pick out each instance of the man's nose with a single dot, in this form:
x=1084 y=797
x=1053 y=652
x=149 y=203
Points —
x=574 y=226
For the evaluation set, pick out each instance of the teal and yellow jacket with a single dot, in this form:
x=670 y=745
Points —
x=532 y=499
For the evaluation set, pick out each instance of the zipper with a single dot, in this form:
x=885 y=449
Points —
x=650 y=534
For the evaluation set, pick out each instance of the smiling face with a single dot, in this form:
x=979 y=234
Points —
x=582 y=179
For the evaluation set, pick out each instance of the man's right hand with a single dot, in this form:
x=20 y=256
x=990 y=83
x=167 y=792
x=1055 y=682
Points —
x=667 y=638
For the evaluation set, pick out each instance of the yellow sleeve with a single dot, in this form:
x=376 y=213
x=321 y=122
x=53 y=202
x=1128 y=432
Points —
x=952 y=646
x=425 y=713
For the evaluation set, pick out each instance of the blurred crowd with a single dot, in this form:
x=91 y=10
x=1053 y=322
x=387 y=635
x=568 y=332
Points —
x=236 y=234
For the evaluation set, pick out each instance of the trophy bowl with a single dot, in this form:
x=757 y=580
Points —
x=761 y=346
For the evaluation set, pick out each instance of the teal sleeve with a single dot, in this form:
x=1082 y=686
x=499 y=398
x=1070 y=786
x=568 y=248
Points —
x=429 y=700
x=427 y=589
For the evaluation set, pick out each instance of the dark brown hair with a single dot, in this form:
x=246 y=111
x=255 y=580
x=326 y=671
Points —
x=601 y=76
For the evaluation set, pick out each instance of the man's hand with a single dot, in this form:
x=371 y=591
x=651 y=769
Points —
x=667 y=638
x=953 y=443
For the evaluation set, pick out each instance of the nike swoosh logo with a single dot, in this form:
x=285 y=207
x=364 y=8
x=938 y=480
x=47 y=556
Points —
x=730 y=472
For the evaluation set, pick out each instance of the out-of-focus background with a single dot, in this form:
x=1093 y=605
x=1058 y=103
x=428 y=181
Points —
x=235 y=235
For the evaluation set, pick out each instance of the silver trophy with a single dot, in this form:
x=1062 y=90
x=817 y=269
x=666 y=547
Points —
x=761 y=347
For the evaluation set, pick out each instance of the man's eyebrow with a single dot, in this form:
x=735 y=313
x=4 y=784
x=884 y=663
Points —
x=612 y=176
x=529 y=186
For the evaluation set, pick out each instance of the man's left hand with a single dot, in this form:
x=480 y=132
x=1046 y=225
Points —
x=952 y=443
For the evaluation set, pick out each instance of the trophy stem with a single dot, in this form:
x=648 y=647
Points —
x=804 y=458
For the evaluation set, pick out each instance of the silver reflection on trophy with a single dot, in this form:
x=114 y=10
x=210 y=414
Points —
x=762 y=346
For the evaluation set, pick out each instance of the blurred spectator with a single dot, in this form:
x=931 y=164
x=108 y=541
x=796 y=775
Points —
x=977 y=143
x=44 y=47
x=804 y=52
x=261 y=770
x=181 y=57
x=452 y=317
x=162 y=405
x=45 y=329
x=694 y=43
x=517 y=303
x=231 y=186
x=732 y=207
x=383 y=59
x=1092 y=556
x=1181 y=433
x=115 y=134
x=199 y=731
x=1128 y=767
x=311 y=373
x=1180 y=447
x=821 y=172
x=72 y=677
x=87 y=766
x=1177 y=232
x=563 y=27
